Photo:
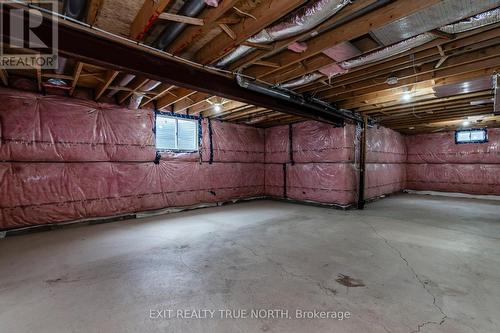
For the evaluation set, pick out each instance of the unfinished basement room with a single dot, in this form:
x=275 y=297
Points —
x=251 y=166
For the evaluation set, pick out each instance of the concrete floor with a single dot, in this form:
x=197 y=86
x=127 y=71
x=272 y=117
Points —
x=427 y=263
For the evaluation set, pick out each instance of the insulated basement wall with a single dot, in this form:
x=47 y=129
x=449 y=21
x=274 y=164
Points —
x=436 y=163
x=319 y=168
x=66 y=159
x=322 y=166
x=385 y=162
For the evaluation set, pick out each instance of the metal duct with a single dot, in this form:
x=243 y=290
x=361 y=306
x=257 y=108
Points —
x=136 y=98
x=75 y=8
x=438 y=15
x=478 y=21
x=124 y=81
x=299 y=21
x=308 y=78
x=172 y=30
x=389 y=51
x=475 y=22
x=290 y=96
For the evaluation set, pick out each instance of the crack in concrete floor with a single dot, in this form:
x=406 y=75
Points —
x=417 y=277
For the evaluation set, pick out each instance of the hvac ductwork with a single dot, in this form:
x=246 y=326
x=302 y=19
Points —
x=307 y=103
x=478 y=21
x=301 y=81
x=389 y=51
x=136 y=99
x=438 y=15
x=301 y=20
x=475 y=22
x=191 y=8
x=472 y=23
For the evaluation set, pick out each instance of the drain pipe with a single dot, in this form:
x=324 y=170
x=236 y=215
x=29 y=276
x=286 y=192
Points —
x=301 y=100
x=362 y=163
x=191 y=8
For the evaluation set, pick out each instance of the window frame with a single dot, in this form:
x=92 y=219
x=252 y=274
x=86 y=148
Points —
x=485 y=130
x=177 y=116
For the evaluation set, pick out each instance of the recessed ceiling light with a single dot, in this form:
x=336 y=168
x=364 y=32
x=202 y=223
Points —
x=406 y=97
x=466 y=123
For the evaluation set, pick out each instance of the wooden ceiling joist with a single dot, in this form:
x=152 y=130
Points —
x=175 y=96
x=267 y=12
x=135 y=86
x=345 y=13
x=76 y=76
x=144 y=19
x=108 y=79
x=181 y=19
x=351 y=30
x=211 y=17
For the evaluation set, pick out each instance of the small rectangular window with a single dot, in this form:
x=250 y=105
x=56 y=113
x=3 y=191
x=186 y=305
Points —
x=176 y=133
x=471 y=136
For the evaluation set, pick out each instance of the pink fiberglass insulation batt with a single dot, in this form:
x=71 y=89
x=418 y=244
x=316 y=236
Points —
x=437 y=163
x=324 y=168
x=66 y=159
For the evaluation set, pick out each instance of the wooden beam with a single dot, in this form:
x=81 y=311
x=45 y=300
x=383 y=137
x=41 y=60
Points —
x=93 y=9
x=268 y=64
x=228 y=31
x=76 y=76
x=190 y=102
x=212 y=17
x=259 y=46
x=164 y=89
x=144 y=19
x=181 y=19
x=268 y=11
x=465 y=42
x=4 y=76
x=467 y=62
x=136 y=85
x=347 y=12
x=176 y=95
x=101 y=88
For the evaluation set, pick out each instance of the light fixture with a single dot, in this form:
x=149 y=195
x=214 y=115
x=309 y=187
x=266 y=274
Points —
x=392 y=80
x=466 y=123
x=406 y=96
x=218 y=107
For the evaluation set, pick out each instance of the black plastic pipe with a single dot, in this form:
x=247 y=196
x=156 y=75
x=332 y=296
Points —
x=172 y=30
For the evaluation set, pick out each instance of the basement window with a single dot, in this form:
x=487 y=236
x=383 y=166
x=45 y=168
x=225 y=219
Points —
x=471 y=136
x=176 y=132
